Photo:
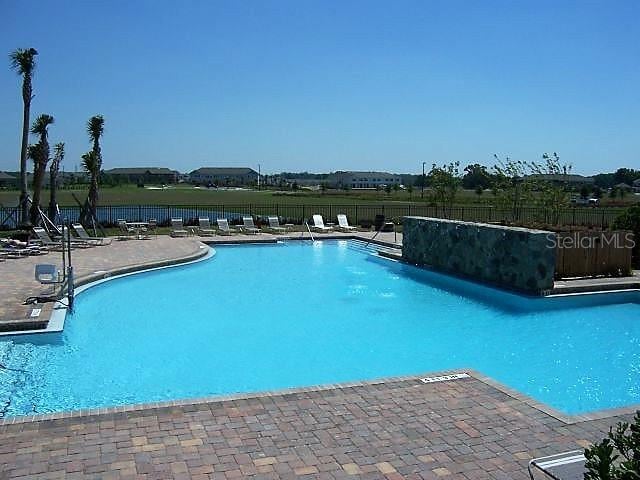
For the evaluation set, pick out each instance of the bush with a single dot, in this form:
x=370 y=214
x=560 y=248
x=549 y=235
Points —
x=617 y=457
x=630 y=220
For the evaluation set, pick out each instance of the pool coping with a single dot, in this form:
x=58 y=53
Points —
x=468 y=373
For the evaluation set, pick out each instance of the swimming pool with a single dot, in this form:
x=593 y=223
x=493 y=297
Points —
x=265 y=317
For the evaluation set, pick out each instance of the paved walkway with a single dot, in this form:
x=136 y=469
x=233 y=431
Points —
x=400 y=429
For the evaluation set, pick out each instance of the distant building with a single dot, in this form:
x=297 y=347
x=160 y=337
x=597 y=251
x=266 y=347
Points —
x=623 y=186
x=7 y=180
x=142 y=175
x=231 y=176
x=636 y=185
x=562 y=179
x=353 y=179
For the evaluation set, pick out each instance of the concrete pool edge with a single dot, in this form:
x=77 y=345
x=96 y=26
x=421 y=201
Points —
x=418 y=379
x=56 y=321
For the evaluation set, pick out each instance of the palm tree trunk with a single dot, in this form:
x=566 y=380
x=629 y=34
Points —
x=24 y=188
x=38 y=178
x=53 y=200
x=92 y=197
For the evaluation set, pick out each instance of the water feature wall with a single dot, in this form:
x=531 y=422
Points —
x=510 y=257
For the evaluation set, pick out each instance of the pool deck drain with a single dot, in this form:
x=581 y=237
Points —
x=395 y=428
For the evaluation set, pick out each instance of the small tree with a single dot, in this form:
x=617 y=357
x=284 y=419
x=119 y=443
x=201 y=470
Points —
x=444 y=182
x=410 y=191
x=387 y=189
x=396 y=188
x=91 y=165
x=511 y=189
x=39 y=153
x=551 y=183
x=584 y=192
x=58 y=155
x=95 y=129
x=616 y=457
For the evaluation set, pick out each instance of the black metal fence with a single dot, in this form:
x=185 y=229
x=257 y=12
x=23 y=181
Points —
x=356 y=213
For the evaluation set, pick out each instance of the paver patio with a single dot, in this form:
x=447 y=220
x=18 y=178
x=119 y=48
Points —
x=399 y=429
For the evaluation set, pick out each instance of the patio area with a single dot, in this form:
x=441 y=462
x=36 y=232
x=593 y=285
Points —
x=394 y=429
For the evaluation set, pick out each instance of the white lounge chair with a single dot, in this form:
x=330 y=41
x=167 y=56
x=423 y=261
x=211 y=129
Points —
x=126 y=232
x=204 y=227
x=223 y=227
x=248 y=226
x=84 y=236
x=10 y=248
x=567 y=465
x=343 y=224
x=274 y=225
x=177 y=228
x=318 y=224
x=43 y=237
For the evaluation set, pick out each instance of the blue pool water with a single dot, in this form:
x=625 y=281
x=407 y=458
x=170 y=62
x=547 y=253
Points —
x=268 y=317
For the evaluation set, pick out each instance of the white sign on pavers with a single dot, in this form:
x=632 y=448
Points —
x=444 y=378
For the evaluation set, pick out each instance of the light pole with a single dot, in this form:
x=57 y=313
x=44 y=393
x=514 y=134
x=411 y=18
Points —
x=423 y=180
x=258 y=176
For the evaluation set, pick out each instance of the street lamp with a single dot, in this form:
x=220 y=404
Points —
x=258 y=176
x=423 y=180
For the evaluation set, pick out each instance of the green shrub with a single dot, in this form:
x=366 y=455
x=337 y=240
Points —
x=630 y=220
x=617 y=457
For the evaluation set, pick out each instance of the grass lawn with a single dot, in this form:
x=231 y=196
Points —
x=131 y=195
x=188 y=195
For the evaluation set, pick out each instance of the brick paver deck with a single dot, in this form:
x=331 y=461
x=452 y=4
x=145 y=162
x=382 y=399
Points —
x=400 y=429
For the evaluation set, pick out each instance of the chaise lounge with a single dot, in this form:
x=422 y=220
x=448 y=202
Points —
x=318 y=224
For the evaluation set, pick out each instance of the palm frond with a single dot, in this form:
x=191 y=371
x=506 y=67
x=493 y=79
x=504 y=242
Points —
x=91 y=163
x=41 y=123
x=33 y=152
x=23 y=60
x=95 y=127
x=58 y=150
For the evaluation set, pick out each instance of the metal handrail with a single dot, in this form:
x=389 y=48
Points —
x=395 y=237
x=309 y=229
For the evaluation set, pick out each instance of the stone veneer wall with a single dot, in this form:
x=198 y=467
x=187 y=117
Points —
x=510 y=257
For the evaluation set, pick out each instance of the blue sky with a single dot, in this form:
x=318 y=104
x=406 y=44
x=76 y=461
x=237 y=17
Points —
x=326 y=85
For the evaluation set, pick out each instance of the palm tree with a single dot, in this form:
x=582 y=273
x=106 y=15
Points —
x=23 y=61
x=58 y=155
x=91 y=164
x=39 y=153
x=95 y=129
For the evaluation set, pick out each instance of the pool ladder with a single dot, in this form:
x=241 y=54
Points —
x=309 y=230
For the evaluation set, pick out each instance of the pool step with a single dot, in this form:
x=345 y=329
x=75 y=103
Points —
x=373 y=248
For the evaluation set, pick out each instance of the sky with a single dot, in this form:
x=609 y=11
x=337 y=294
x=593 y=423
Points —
x=330 y=85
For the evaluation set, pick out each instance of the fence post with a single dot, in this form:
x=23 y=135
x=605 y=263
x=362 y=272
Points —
x=304 y=217
x=356 y=214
